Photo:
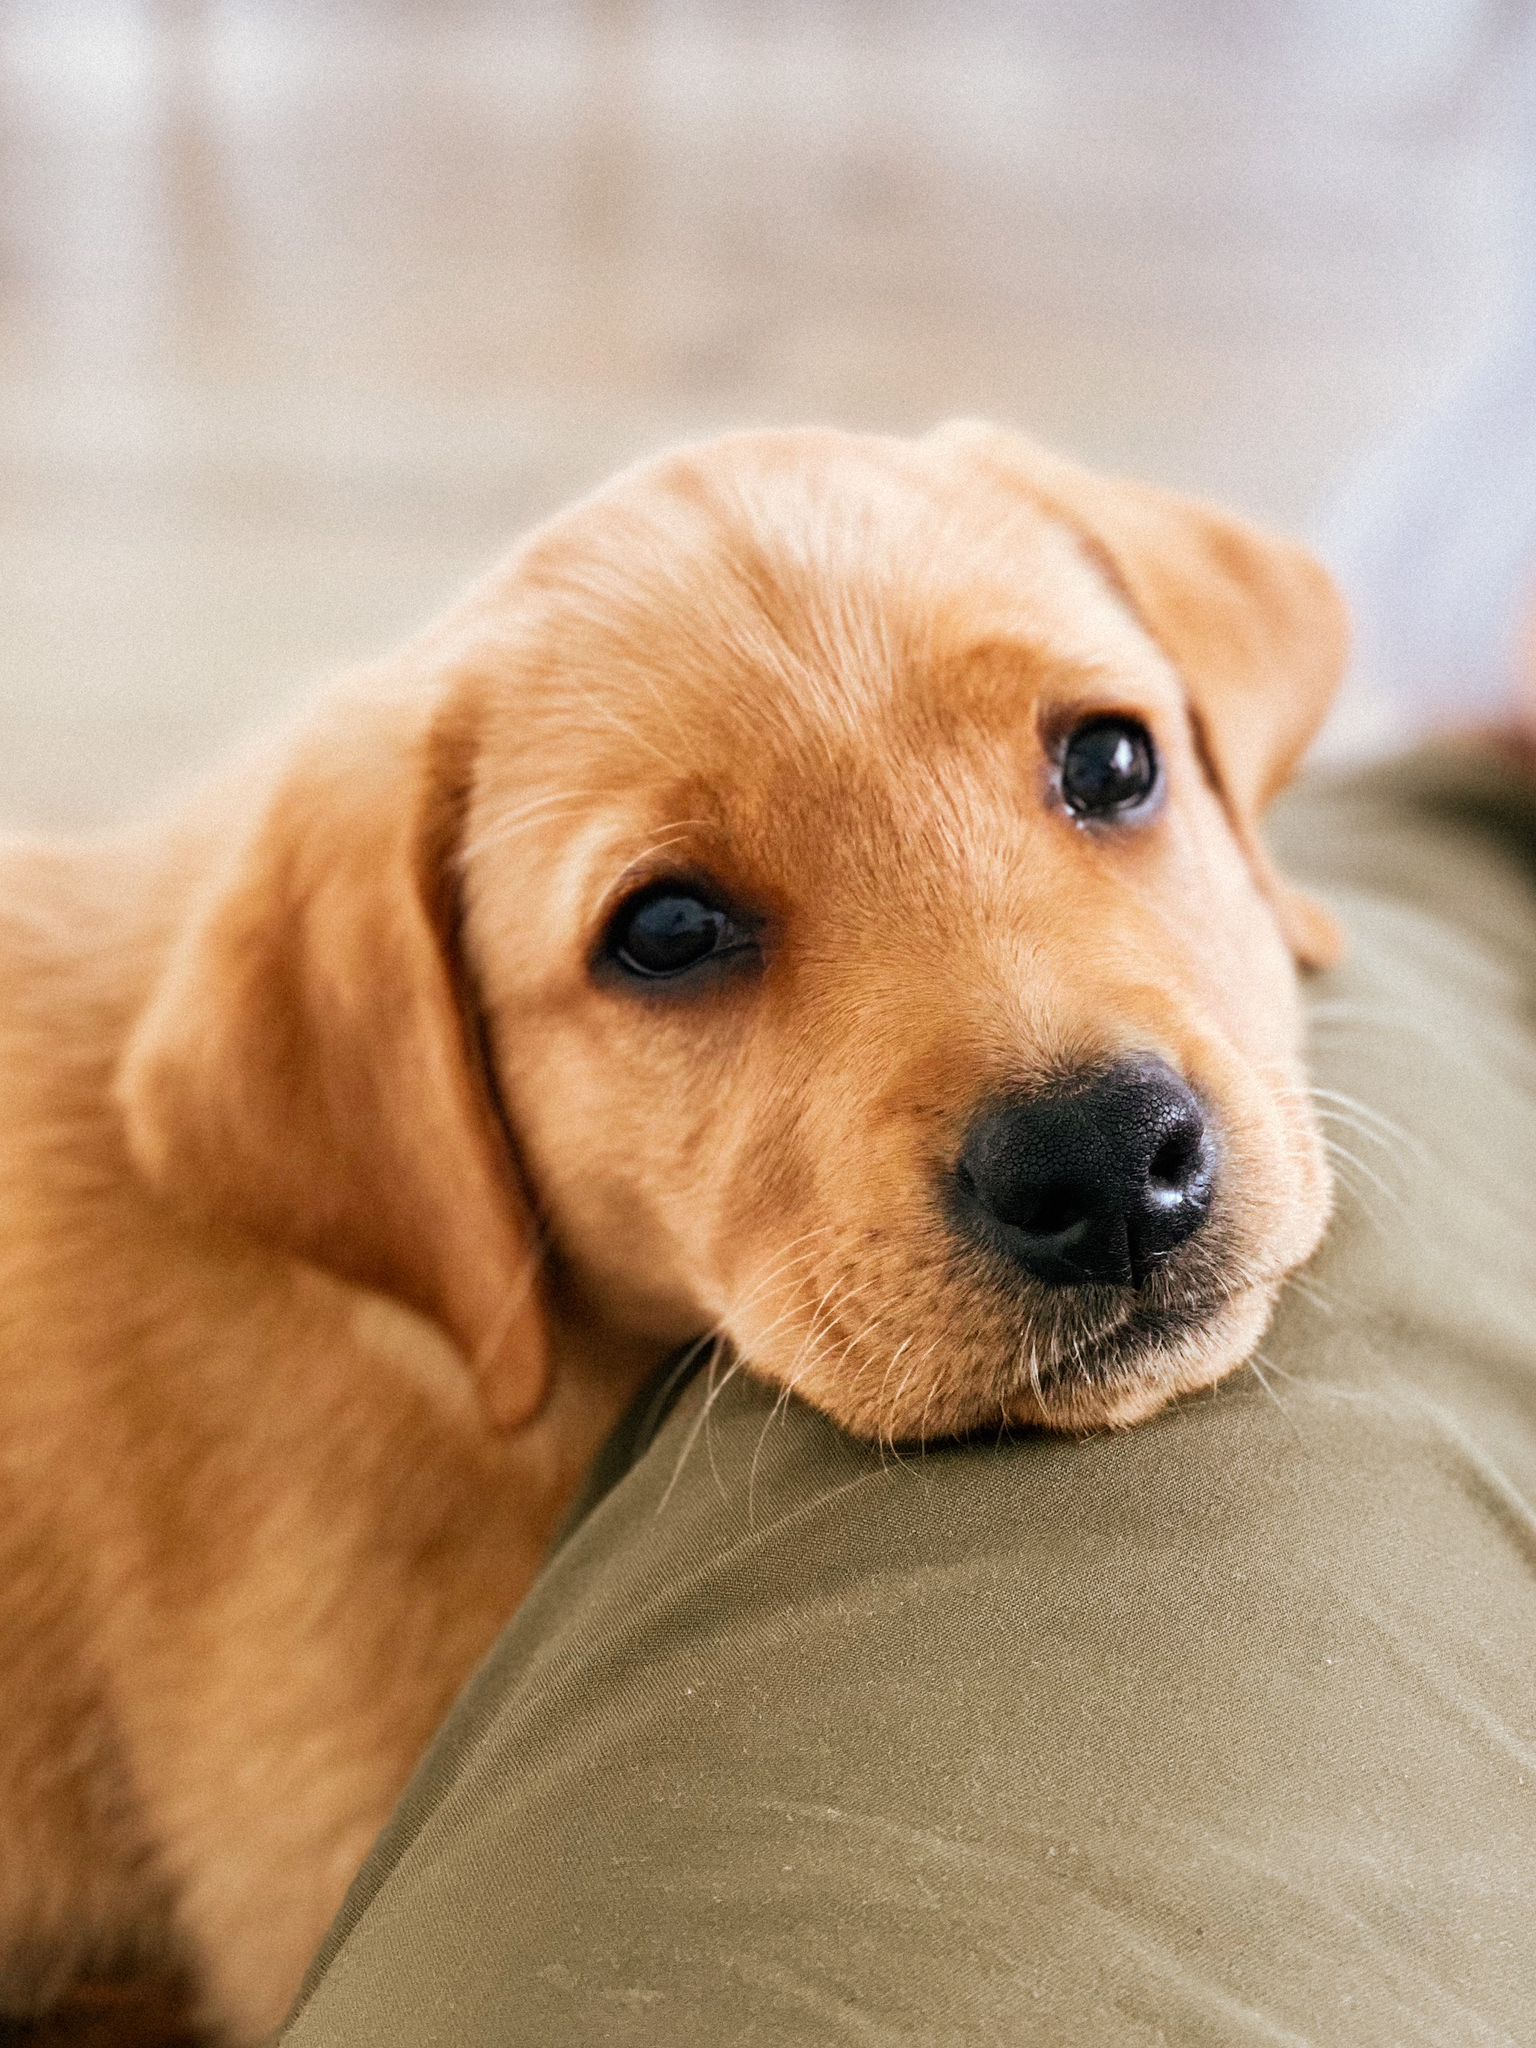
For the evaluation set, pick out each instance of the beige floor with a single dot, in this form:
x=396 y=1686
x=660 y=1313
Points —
x=304 y=309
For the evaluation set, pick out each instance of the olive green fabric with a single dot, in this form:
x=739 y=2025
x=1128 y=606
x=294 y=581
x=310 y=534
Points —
x=1220 y=1731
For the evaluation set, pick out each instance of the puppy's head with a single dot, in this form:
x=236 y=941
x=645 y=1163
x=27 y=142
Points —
x=825 y=873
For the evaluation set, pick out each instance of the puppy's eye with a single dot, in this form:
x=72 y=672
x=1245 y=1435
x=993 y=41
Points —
x=666 y=931
x=1108 y=768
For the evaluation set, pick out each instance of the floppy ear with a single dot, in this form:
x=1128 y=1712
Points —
x=310 y=1067
x=1253 y=624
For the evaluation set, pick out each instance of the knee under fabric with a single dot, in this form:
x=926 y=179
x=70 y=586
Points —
x=1218 y=1732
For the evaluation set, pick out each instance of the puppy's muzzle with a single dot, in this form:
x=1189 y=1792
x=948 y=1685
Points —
x=1096 y=1183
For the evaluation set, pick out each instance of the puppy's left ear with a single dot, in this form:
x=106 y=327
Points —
x=310 y=1068
x=1254 y=625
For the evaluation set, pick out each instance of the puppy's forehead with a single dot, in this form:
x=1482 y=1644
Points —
x=794 y=587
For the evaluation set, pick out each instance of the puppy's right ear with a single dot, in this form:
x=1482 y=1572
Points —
x=311 y=1068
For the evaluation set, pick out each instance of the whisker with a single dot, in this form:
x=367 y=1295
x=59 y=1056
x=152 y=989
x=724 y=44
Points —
x=883 y=1433
x=717 y=1342
x=1258 y=1362
x=1364 y=1132
x=712 y=1394
x=1309 y=1290
x=1348 y=1158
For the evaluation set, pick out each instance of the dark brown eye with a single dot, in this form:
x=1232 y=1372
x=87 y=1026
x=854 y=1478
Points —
x=667 y=931
x=1108 y=768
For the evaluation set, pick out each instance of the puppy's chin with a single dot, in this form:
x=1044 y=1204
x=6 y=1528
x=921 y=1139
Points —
x=1134 y=1372
x=1077 y=1379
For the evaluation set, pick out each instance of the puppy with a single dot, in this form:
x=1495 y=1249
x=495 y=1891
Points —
x=810 y=894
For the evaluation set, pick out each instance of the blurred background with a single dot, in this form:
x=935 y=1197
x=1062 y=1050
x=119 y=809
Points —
x=307 y=306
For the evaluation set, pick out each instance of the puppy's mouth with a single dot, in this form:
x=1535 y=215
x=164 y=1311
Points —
x=1120 y=1342
x=985 y=1354
x=1102 y=1347
x=1108 y=1356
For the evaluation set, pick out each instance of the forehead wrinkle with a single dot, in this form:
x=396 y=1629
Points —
x=806 y=609
x=733 y=661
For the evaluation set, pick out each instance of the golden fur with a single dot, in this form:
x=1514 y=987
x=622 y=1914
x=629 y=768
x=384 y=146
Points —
x=342 y=1207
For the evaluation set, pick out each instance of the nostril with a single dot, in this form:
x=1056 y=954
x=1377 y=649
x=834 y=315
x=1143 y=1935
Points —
x=1176 y=1162
x=1052 y=1211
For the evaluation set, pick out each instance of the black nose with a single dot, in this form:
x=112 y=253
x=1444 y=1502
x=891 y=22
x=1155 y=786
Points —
x=1094 y=1182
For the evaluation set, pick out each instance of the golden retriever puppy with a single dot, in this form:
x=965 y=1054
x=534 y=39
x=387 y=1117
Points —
x=809 y=894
